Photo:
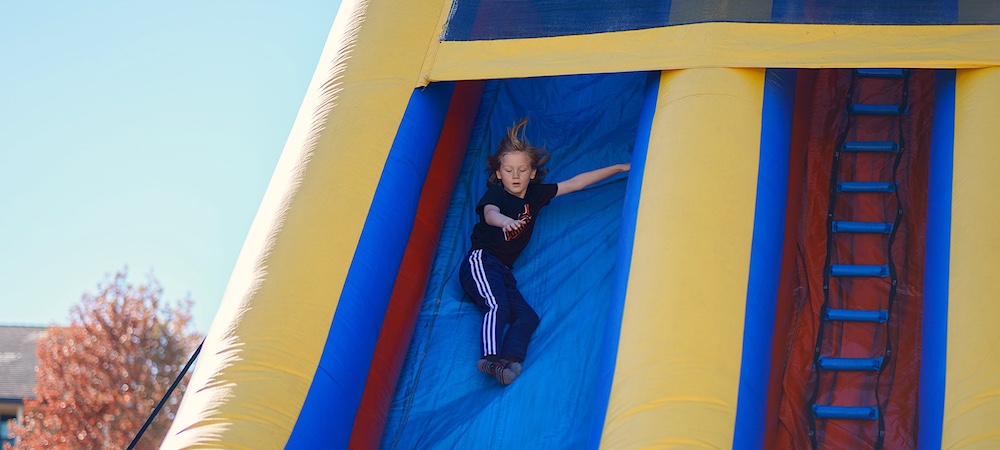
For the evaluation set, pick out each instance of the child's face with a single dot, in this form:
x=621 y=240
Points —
x=516 y=172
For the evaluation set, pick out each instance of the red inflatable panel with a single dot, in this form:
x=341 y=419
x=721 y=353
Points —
x=401 y=315
x=820 y=118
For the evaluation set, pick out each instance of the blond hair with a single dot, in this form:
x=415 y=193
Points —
x=515 y=142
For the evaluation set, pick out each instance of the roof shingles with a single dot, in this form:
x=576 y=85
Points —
x=18 y=360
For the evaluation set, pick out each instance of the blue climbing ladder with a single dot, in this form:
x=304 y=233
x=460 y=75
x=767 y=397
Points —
x=853 y=343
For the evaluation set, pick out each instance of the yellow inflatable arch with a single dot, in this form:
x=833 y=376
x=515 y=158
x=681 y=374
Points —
x=800 y=257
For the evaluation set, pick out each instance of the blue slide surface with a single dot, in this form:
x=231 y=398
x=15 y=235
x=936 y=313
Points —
x=567 y=273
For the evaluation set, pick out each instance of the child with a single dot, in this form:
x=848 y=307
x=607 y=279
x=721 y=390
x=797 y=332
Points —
x=507 y=213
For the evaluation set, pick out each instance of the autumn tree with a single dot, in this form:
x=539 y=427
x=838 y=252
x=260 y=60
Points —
x=101 y=376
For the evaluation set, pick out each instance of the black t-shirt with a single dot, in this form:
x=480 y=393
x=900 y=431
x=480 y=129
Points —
x=503 y=246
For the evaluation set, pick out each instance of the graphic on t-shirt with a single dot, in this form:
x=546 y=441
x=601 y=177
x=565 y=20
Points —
x=526 y=217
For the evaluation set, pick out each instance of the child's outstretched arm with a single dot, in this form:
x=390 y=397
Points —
x=588 y=178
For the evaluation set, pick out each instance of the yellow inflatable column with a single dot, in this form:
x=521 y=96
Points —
x=265 y=344
x=678 y=366
x=972 y=380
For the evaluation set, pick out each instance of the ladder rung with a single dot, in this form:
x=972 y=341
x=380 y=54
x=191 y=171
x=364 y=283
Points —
x=879 y=146
x=856 y=270
x=826 y=363
x=845 y=412
x=870 y=109
x=856 y=315
x=865 y=186
x=880 y=73
x=862 y=227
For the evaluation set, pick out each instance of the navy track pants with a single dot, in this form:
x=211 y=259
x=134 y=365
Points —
x=492 y=286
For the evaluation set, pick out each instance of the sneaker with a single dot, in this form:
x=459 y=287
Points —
x=499 y=370
x=513 y=366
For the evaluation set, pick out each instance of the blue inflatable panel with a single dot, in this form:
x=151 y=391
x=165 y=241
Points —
x=609 y=351
x=765 y=257
x=509 y=19
x=934 y=339
x=567 y=273
x=327 y=415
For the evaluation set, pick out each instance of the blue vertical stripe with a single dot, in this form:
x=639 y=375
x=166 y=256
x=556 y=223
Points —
x=327 y=416
x=765 y=257
x=630 y=210
x=934 y=337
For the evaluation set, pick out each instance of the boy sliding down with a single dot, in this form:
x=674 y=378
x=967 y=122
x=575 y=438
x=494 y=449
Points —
x=507 y=213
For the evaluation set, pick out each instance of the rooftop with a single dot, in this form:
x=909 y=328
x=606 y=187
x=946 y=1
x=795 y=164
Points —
x=18 y=360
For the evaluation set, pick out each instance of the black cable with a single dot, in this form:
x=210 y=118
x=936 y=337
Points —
x=904 y=108
x=166 y=396
x=821 y=327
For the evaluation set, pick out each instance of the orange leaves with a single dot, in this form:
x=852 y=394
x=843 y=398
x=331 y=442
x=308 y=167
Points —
x=100 y=377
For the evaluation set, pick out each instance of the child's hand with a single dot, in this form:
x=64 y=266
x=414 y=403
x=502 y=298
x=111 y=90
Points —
x=625 y=167
x=513 y=225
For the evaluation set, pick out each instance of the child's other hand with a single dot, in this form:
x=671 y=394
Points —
x=625 y=167
x=513 y=225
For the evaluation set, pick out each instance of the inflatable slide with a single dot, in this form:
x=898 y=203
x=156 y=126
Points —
x=800 y=257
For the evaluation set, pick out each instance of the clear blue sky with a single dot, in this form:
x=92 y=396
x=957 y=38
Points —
x=141 y=135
